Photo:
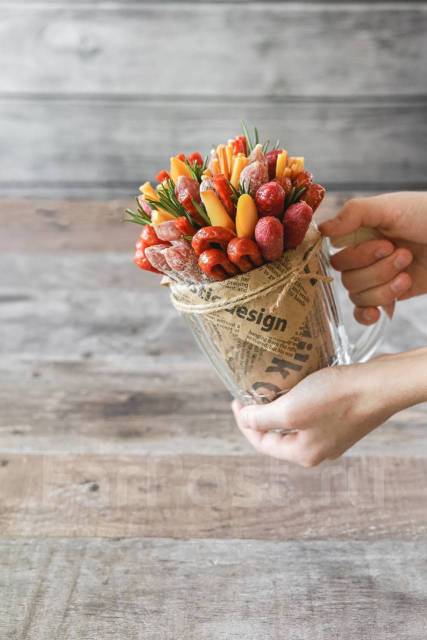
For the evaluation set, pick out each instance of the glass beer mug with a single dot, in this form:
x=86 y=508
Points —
x=256 y=376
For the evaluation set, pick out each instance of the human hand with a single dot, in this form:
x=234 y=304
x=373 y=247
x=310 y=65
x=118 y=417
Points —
x=378 y=272
x=334 y=408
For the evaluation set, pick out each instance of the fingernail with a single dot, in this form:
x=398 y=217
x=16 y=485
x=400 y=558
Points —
x=399 y=284
x=383 y=252
x=402 y=260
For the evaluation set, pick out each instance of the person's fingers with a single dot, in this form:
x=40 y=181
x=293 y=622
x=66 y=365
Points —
x=284 y=447
x=252 y=435
x=263 y=441
x=276 y=445
x=367 y=315
x=362 y=255
x=383 y=271
x=264 y=417
x=358 y=212
x=236 y=406
x=384 y=294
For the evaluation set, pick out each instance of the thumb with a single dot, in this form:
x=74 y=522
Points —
x=263 y=417
x=356 y=213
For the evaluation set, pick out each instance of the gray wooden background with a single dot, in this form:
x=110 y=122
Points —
x=130 y=505
x=95 y=95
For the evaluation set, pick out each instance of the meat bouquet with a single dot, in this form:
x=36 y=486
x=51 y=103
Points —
x=233 y=234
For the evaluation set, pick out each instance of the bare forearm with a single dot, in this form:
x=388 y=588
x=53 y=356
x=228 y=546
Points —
x=403 y=378
x=333 y=408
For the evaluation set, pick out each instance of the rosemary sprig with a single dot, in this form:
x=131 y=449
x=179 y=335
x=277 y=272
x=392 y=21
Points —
x=294 y=195
x=137 y=217
x=236 y=193
x=298 y=193
x=201 y=211
x=289 y=198
x=167 y=200
x=197 y=170
x=249 y=142
x=265 y=146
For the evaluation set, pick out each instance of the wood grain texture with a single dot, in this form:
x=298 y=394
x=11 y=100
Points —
x=76 y=144
x=146 y=406
x=212 y=496
x=107 y=447
x=62 y=227
x=95 y=360
x=75 y=406
x=121 y=49
x=210 y=590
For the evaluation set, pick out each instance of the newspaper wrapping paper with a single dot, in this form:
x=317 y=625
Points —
x=267 y=329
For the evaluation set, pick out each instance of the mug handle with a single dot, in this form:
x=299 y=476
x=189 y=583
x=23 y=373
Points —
x=371 y=338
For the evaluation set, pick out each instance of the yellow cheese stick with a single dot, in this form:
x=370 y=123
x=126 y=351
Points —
x=215 y=166
x=246 y=216
x=179 y=168
x=147 y=190
x=281 y=161
x=160 y=215
x=217 y=214
x=240 y=163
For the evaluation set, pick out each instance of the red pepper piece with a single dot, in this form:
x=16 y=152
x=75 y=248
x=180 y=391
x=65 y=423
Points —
x=195 y=157
x=187 y=190
x=162 y=175
x=223 y=190
x=239 y=145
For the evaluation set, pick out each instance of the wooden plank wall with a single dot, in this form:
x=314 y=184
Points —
x=130 y=505
x=94 y=95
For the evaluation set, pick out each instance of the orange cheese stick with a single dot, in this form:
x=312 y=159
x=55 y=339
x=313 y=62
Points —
x=223 y=161
x=240 y=163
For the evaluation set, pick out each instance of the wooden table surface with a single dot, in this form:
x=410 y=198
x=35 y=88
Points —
x=131 y=507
